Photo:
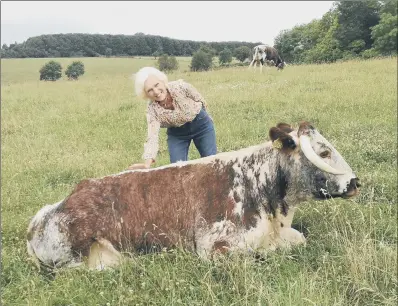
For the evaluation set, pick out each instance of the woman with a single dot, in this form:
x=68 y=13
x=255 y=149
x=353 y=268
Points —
x=180 y=108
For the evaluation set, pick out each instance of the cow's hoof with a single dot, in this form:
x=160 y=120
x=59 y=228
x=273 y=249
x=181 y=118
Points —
x=289 y=237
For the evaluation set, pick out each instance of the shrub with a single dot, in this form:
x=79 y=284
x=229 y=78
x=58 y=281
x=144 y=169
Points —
x=167 y=63
x=201 y=61
x=75 y=70
x=225 y=56
x=208 y=49
x=369 y=53
x=51 y=71
x=348 y=55
x=357 y=45
x=242 y=53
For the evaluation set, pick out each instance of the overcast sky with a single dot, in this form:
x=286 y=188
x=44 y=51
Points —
x=250 y=21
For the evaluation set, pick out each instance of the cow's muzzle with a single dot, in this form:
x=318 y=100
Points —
x=352 y=188
x=351 y=191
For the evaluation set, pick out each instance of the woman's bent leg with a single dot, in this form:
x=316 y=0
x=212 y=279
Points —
x=178 y=148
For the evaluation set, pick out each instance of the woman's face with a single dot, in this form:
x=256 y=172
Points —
x=155 y=89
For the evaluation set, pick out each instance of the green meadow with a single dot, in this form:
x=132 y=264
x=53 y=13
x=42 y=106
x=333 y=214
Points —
x=54 y=134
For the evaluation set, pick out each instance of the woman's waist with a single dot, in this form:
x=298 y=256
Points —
x=179 y=119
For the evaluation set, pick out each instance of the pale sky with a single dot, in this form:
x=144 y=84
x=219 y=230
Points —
x=250 y=21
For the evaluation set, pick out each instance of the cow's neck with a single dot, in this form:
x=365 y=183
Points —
x=264 y=180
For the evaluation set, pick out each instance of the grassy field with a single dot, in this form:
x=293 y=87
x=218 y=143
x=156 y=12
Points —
x=55 y=134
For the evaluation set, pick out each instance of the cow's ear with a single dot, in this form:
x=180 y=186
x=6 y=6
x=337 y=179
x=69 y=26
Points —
x=285 y=127
x=281 y=140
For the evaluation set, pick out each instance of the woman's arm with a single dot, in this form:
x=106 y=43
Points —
x=151 y=146
x=194 y=94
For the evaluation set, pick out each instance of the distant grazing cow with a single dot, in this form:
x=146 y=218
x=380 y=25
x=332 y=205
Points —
x=264 y=53
x=235 y=201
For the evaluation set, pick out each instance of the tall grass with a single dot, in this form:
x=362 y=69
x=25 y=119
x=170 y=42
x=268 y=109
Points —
x=56 y=134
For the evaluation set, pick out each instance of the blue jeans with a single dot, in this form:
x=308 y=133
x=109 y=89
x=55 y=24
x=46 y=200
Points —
x=200 y=130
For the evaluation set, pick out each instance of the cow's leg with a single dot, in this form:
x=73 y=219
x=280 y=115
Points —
x=263 y=61
x=259 y=237
x=103 y=255
x=288 y=236
x=251 y=64
x=286 y=220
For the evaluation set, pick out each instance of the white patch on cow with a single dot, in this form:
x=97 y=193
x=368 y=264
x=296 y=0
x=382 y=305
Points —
x=238 y=209
x=32 y=254
x=266 y=235
x=260 y=236
x=41 y=213
x=289 y=237
x=48 y=241
x=219 y=231
x=103 y=255
x=249 y=174
x=269 y=234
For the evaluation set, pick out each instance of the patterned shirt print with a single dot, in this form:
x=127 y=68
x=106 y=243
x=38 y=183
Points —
x=187 y=102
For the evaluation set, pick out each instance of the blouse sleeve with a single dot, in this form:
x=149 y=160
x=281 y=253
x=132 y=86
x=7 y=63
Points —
x=151 y=146
x=193 y=93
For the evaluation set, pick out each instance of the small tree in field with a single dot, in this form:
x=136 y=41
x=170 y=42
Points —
x=167 y=63
x=225 y=56
x=75 y=70
x=201 y=61
x=51 y=71
x=242 y=53
x=208 y=49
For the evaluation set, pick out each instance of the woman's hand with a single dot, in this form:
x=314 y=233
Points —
x=136 y=166
x=149 y=162
x=146 y=165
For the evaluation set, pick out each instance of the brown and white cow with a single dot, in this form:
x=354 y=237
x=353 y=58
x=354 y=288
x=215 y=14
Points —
x=266 y=54
x=234 y=201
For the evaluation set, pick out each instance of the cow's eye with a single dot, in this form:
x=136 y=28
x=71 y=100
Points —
x=325 y=154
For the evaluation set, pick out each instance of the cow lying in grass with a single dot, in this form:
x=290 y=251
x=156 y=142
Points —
x=241 y=200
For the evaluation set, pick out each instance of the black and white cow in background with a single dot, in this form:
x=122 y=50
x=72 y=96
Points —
x=265 y=53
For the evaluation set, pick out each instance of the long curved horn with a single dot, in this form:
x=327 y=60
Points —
x=309 y=152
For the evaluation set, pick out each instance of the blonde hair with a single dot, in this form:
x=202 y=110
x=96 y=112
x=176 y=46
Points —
x=142 y=75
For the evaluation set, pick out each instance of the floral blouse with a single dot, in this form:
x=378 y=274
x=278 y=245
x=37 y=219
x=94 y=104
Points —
x=187 y=102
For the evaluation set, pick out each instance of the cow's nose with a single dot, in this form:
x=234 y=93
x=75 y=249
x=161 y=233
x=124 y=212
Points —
x=354 y=183
x=352 y=188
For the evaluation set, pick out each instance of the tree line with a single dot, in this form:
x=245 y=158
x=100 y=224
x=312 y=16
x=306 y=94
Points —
x=350 y=29
x=93 y=45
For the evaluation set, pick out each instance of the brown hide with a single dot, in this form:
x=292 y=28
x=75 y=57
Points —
x=136 y=209
x=272 y=54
